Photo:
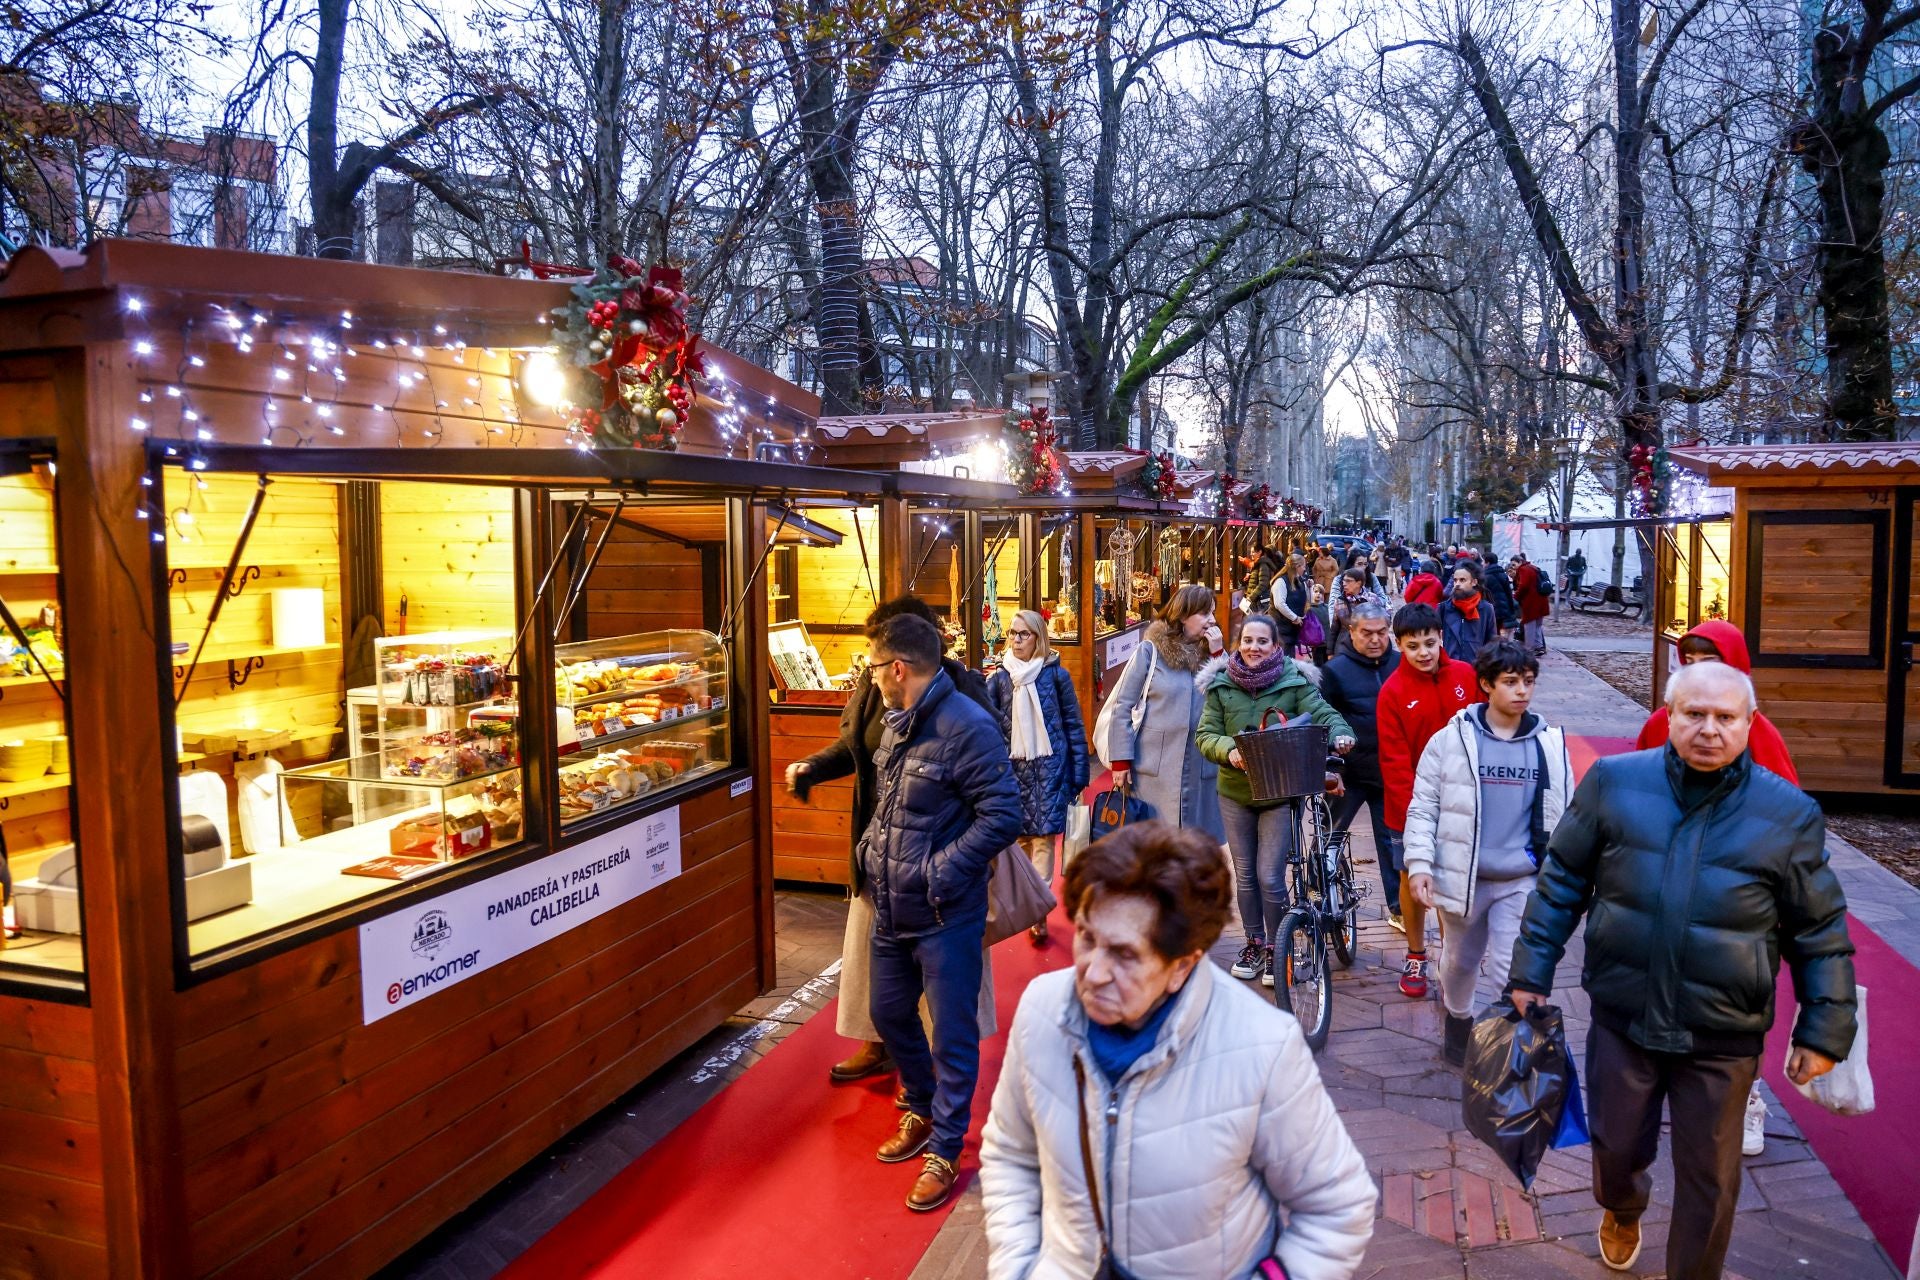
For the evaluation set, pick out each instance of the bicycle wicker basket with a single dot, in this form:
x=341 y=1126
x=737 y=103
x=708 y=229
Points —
x=1284 y=762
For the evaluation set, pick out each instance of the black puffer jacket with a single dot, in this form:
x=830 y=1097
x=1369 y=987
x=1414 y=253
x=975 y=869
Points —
x=862 y=724
x=945 y=804
x=1690 y=911
x=1499 y=590
x=1351 y=684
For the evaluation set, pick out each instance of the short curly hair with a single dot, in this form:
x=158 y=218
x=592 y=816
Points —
x=1178 y=869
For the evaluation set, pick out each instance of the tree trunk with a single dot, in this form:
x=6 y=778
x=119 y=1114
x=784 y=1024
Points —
x=837 y=319
x=1844 y=149
x=609 y=78
x=334 y=225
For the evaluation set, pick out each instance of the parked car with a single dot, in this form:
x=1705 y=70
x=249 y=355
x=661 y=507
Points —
x=1343 y=544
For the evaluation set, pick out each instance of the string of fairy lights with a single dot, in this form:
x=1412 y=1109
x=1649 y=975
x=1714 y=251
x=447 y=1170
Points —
x=305 y=372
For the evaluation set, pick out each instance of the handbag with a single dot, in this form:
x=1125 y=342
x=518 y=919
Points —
x=1103 y=723
x=1312 y=634
x=1017 y=897
x=1107 y=1269
x=1847 y=1090
x=1115 y=807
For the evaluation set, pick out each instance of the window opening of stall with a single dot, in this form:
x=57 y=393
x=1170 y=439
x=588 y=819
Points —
x=579 y=582
x=732 y=615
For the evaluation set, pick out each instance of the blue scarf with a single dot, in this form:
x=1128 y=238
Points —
x=1115 y=1049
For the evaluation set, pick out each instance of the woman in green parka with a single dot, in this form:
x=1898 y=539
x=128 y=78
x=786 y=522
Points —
x=1259 y=677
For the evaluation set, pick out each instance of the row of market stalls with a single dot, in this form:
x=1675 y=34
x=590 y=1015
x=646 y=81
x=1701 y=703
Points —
x=387 y=776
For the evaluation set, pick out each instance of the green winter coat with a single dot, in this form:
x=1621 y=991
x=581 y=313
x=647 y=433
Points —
x=1231 y=709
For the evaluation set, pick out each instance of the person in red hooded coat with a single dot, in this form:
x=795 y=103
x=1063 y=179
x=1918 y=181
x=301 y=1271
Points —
x=1424 y=586
x=1717 y=641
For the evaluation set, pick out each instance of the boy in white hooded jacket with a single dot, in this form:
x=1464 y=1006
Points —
x=1487 y=794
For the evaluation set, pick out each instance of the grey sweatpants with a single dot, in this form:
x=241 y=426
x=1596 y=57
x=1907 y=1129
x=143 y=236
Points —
x=1485 y=934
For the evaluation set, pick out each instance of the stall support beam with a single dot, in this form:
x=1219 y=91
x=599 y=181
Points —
x=533 y=524
x=896 y=544
x=126 y=877
x=746 y=543
x=973 y=570
x=1031 y=558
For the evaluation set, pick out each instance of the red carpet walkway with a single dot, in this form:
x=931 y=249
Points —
x=776 y=1175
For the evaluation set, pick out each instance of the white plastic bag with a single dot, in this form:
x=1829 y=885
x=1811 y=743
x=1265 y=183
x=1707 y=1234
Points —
x=1847 y=1090
x=1079 y=829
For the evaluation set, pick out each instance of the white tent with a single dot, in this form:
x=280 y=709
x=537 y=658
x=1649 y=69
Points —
x=1519 y=530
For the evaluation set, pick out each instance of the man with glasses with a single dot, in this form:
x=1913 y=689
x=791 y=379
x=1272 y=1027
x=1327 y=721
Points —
x=946 y=804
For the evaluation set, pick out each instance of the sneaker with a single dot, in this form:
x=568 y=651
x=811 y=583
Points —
x=1413 y=976
x=1266 y=968
x=1753 y=1132
x=1619 y=1242
x=1248 y=965
x=1395 y=923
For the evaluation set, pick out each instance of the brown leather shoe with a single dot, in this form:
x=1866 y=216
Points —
x=1619 y=1242
x=908 y=1141
x=872 y=1060
x=900 y=1098
x=1038 y=934
x=934 y=1185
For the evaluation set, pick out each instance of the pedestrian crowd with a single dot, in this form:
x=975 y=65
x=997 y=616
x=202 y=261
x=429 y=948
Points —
x=1155 y=1114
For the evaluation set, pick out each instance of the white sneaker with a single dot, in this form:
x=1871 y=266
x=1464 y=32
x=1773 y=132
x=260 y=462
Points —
x=1753 y=1131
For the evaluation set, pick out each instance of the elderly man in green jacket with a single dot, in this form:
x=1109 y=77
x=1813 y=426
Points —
x=1697 y=874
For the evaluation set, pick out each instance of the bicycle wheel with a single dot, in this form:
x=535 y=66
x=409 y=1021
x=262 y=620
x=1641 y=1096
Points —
x=1343 y=924
x=1303 y=987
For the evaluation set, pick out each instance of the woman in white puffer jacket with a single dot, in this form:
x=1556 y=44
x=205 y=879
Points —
x=1205 y=1119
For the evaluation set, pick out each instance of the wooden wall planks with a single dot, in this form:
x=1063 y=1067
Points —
x=52 y=1208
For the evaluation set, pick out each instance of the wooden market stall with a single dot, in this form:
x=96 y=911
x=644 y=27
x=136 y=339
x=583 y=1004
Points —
x=411 y=805
x=1817 y=569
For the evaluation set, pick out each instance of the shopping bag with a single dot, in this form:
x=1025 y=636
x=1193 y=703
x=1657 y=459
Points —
x=1847 y=1090
x=1102 y=740
x=1018 y=897
x=1079 y=832
x=1519 y=1075
x=1115 y=808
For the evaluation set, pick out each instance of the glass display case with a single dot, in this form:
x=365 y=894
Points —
x=433 y=682
x=646 y=713
x=1059 y=588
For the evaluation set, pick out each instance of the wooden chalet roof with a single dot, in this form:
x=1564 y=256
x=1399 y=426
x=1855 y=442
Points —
x=885 y=439
x=1732 y=463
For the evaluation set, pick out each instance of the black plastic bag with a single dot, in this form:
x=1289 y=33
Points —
x=1519 y=1079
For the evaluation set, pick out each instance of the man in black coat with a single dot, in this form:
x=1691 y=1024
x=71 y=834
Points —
x=862 y=724
x=1697 y=873
x=945 y=805
x=1499 y=588
x=1351 y=683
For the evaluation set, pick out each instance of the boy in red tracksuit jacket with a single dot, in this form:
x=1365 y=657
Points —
x=1416 y=702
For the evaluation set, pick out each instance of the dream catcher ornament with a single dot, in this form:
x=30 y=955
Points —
x=1120 y=545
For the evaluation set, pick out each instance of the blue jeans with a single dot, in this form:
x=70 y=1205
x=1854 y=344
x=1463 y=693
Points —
x=1260 y=841
x=1386 y=841
x=940 y=1080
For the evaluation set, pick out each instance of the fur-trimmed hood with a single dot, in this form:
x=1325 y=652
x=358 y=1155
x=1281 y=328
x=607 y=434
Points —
x=1214 y=666
x=1175 y=651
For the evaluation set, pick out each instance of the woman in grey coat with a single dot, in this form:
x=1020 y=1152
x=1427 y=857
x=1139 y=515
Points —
x=1169 y=674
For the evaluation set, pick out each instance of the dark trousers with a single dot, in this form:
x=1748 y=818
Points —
x=1386 y=841
x=1706 y=1098
x=940 y=1080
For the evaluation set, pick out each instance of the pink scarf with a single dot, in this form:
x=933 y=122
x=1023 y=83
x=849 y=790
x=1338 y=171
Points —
x=1256 y=679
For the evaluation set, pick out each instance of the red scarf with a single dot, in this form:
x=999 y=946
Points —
x=1469 y=608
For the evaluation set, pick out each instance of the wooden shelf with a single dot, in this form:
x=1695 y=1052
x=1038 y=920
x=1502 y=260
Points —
x=28 y=570
x=32 y=677
x=588 y=746
x=33 y=786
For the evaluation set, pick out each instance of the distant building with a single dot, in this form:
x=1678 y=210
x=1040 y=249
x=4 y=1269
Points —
x=75 y=172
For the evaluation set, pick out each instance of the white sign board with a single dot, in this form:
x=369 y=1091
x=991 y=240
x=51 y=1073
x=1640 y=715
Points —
x=410 y=954
x=1121 y=647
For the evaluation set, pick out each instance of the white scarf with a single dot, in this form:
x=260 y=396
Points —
x=1030 y=741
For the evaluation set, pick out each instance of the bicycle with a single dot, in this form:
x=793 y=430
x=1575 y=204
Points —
x=1325 y=913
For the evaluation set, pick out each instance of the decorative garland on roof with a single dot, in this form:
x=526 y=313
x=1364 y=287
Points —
x=1652 y=479
x=631 y=357
x=1033 y=456
x=1157 y=479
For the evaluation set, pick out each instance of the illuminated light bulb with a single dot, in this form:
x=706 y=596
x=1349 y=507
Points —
x=204 y=434
x=325 y=411
x=286 y=353
x=440 y=329
x=173 y=392
x=141 y=513
x=185 y=517
x=135 y=305
x=339 y=374
x=143 y=348
x=190 y=415
x=258 y=318
x=146 y=397
x=159 y=537
x=146 y=482
x=419 y=353
x=339 y=431
x=379 y=344
x=138 y=424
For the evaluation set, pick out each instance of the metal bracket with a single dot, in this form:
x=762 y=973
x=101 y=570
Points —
x=239 y=581
x=237 y=673
x=176 y=577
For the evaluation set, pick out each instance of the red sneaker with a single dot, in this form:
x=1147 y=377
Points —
x=1413 y=976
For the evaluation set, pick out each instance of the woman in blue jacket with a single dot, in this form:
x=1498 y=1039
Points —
x=1033 y=695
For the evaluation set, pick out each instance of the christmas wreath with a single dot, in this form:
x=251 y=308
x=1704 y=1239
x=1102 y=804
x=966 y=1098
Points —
x=631 y=357
x=1033 y=457
x=1259 y=502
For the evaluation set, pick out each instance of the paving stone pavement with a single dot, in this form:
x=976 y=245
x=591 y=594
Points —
x=1462 y=1214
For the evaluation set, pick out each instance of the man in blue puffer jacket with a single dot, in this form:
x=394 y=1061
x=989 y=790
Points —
x=945 y=805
